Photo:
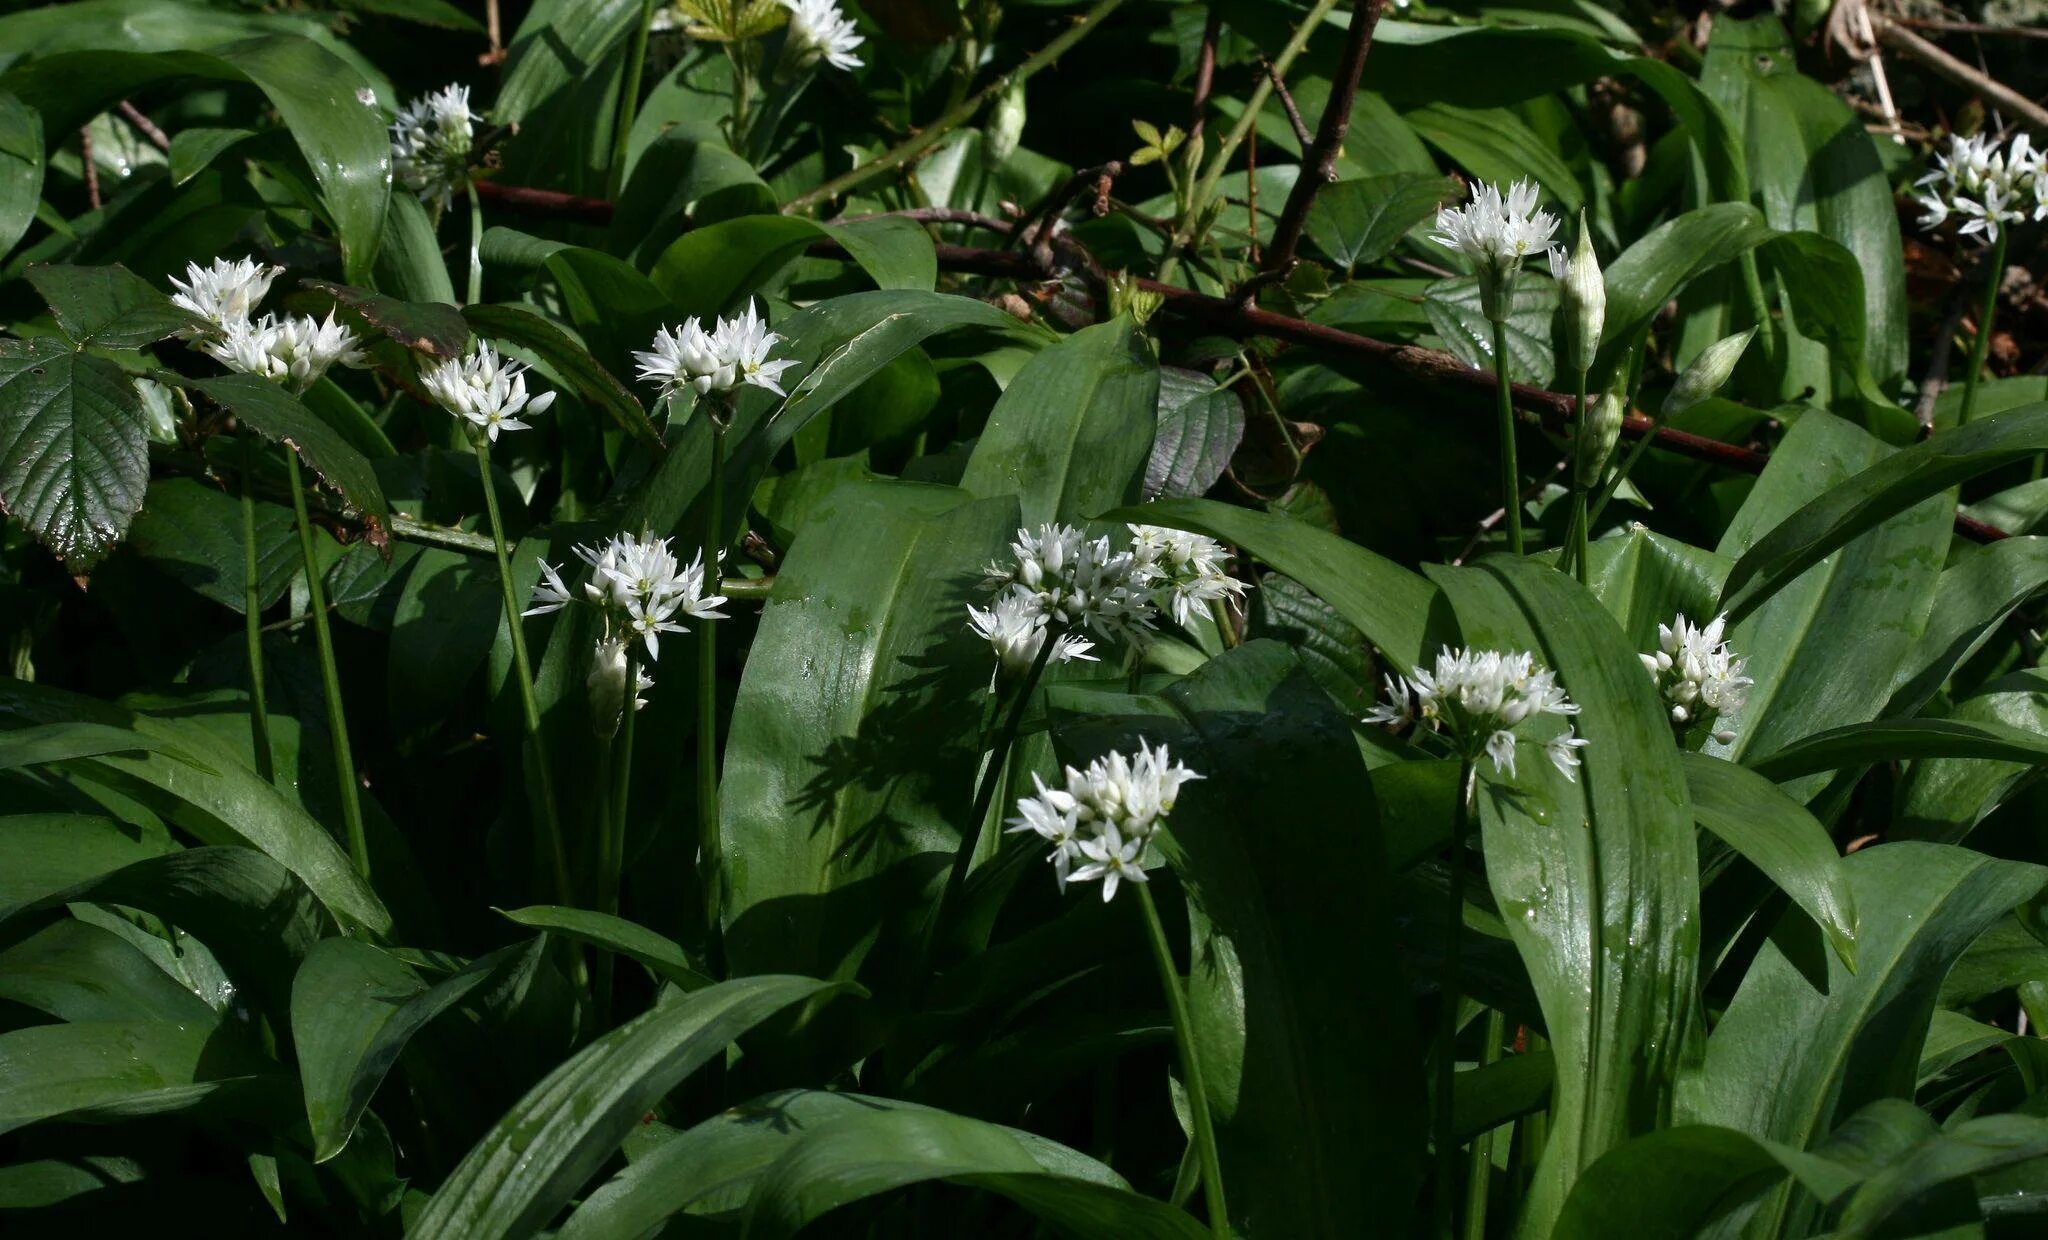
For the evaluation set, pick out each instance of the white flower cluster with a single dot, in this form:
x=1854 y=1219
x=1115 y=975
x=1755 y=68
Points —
x=1496 y=231
x=1190 y=567
x=227 y=292
x=638 y=587
x=819 y=31
x=430 y=144
x=1476 y=698
x=294 y=349
x=638 y=584
x=1699 y=675
x=1060 y=580
x=733 y=352
x=485 y=390
x=1104 y=816
x=1989 y=186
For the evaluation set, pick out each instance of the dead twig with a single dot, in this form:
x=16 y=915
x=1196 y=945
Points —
x=1288 y=106
x=1903 y=41
x=92 y=171
x=145 y=126
x=1205 y=74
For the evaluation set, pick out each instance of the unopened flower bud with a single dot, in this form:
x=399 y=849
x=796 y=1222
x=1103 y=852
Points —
x=1597 y=436
x=1582 y=293
x=1707 y=373
x=610 y=677
x=1126 y=297
x=1006 y=124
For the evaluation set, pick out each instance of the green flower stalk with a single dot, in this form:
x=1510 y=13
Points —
x=1496 y=232
x=1582 y=294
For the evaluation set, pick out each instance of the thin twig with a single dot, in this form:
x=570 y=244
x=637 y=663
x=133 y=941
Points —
x=1288 y=105
x=1901 y=40
x=496 y=52
x=92 y=172
x=546 y=203
x=146 y=126
x=1205 y=74
x=908 y=150
x=1948 y=27
x=933 y=215
x=1319 y=159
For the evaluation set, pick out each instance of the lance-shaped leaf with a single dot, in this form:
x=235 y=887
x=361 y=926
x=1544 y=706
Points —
x=1753 y=816
x=277 y=415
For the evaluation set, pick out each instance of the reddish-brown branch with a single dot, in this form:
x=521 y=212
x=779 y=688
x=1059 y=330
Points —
x=1319 y=159
x=1205 y=74
x=1552 y=409
x=147 y=127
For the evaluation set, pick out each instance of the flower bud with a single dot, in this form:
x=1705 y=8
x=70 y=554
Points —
x=1006 y=124
x=1126 y=297
x=1598 y=434
x=610 y=677
x=1582 y=293
x=1707 y=373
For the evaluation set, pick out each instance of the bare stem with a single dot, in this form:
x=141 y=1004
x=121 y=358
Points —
x=252 y=606
x=1319 y=159
x=1510 y=473
x=709 y=851
x=1190 y=1064
x=330 y=679
x=1445 y=1139
x=1980 y=344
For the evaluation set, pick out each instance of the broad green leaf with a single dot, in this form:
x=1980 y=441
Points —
x=1778 y=836
x=1642 y=279
x=1806 y=1042
x=1358 y=223
x=246 y=908
x=194 y=150
x=1071 y=434
x=409 y=263
x=1967 y=1150
x=679 y=180
x=1646 y=579
x=79 y=972
x=192 y=533
x=277 y=415
x=863 y=1154
x=111 y=307
x=1388 y=603
x=1825 y=282
x=1331 y=648
x=1978 y=590
x=441 y=633
x=569 y=359
x=1807 y=678
x=1815 y=168
x=220 y=802
x=715 y=268
x=661 y=955
x=1597 y=880
x=42 y=854
x=613 y=307
x=1901 y=740
x=74 y=447
x=1490 y=1095
x=1305 y=1050
x=354 y=1008
x=21 y=169
x=316 y=93
x=711 y=1168
x=1499 y=147
x=434 y=328
x=855 y=734
x=105 y=1070
x=61 y=742
x=1943 y=799
x=1200 y=426
x=545 y=1149
x=558 y=42
x=1678 y=1182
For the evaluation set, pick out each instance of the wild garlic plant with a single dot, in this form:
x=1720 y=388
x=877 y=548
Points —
x=433 y=141
x=714 y=364
x=1582 y=303
x=1497 y=232
x=1991 y=186
x=295 y=352
x=1101 y=821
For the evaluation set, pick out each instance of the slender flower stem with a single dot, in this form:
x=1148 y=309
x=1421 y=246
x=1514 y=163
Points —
x=1447 y=1008
x=708 y=845
x=1219 y=611
x=1479 y=1171
x=629 y=101
x=1579 y=531
x=1980 y=344
x=1190 y=1063
x=476 y=251
x=330 y=679
x=992 y=777
x=615 y=775
x=1759 y=307
x=924 y=139
x=522 y=670
x=252 y=606
x=1510 y=472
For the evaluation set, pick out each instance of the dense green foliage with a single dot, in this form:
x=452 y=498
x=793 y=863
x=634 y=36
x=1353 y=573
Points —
x=338 y=897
